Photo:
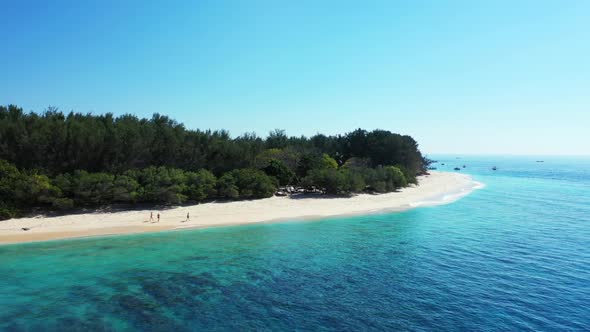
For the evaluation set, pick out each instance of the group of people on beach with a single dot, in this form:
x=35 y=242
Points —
x=188 y=217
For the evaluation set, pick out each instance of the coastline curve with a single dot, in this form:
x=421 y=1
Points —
x=438 y=188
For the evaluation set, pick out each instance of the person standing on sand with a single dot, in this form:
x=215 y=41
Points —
x=151 y=216
x=158 y=217
x=188 y=217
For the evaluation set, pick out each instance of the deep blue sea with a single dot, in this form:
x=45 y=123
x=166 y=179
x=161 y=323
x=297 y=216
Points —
x=513 y=256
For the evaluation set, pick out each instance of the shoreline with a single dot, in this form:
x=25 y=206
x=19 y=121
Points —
x=438 y=188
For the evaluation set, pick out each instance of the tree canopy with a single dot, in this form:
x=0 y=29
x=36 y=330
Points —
x=62 y=161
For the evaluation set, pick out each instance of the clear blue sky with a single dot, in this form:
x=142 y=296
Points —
x=459 y=76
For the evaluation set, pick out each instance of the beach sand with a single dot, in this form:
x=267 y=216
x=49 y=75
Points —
x=434 y=189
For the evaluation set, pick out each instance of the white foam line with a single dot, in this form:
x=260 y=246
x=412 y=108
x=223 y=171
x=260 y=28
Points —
x=450 y=198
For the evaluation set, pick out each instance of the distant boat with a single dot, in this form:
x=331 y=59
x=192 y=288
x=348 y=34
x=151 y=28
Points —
x=457 y=169
x=464 y=166
x=540 y=161
x=443 y=164
x=432 y=168
x=494 y=168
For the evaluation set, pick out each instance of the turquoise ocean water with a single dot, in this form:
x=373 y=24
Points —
x=512 y=256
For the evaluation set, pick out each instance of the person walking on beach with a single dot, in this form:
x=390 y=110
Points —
x=151 y=216
x=188 y=217
x=158 y=216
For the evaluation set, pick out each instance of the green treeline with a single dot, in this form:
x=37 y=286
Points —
x=64 y=161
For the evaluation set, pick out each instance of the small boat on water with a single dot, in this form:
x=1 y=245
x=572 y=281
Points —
x=540 y=161
x=443 y=164
x=464 y=166
x=457 y=169
x=494 y=168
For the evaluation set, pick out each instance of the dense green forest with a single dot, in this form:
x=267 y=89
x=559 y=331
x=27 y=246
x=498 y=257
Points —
x=64 y=161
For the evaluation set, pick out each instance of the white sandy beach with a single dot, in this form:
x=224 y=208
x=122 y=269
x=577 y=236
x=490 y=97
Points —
x=434 y=189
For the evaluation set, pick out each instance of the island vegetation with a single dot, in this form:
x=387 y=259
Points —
x=57 y=161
